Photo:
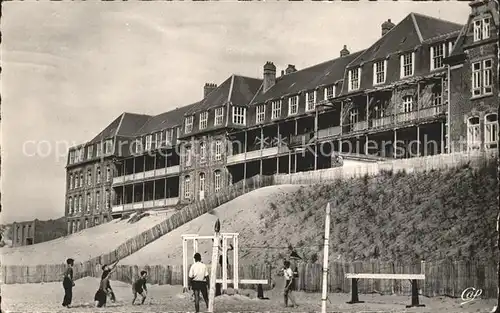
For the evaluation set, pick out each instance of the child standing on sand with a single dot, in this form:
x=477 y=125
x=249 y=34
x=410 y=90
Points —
x=139 y=287
x=106 y=270
x=68 y=283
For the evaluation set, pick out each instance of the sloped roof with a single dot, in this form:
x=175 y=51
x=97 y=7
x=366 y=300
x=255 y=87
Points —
x=168 y=119
x=124 y=125
x=235 y=89
x=430 y=27
x=309 y=78
x=406 y=35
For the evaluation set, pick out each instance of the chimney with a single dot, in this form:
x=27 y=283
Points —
x=344 y=51
x=269 y=76
x=290 y=69
x=387 y=26
x=209 y=87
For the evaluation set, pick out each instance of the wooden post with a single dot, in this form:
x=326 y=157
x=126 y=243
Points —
x=414 y=295
x=324 y=288
x=213 y=267
x=224 y=265
x=184 y=265
x=354 y=292
x=236 y=265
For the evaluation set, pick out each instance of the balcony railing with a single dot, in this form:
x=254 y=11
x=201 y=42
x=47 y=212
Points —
x=256 y=154
x=406 y=117
x=157 y=173
x=328 y=132
x=146 y=204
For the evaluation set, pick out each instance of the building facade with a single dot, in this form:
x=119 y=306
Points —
x=426 y=86
x=32 y=232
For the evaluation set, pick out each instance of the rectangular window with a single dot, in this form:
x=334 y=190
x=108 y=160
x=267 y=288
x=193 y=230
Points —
x=218 y=150
x=407 y=65
x=275 y=109
x=437 y=98
x=482 y=78
x=187 y=187
x=108 y=147
x=98 y=175
x=203 y=120
x=97 y=200
x=491 y=129
x=80 y=200
x=379 y=72
x=187 y=156
x=108 y=199
x=260 y=115
x=188 y=125
x=239 y=116
x=169 y=136
x=158 y=139
x=219 y=116
x=481 y=29
x=217 y=181
x=203 y=152
x=354 y=79
x=149 y=141
x=437 y=56
x=90 y=152
x=70 y=181
x=108 y=173
x=89 y=177
x=310 y=100
x=89 y=200
x=353 y=116
x=71 y=157
x=81 y=179
x=330 y=92
x=293 y=105
x=407 y=105
x=98 y=149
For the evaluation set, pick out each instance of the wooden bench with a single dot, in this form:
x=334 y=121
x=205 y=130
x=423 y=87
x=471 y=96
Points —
x=258 y=282
x=413 y=278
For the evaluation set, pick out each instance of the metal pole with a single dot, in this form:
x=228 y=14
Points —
x=184 y=265
x=325 y=260
x=213 y=267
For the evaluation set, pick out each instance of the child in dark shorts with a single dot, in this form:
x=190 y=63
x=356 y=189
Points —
x=139 y=287
x=101 y=295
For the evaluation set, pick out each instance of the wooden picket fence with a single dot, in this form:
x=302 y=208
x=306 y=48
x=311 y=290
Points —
x=443 y=278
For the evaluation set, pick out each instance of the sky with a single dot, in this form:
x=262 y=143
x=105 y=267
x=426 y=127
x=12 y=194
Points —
x=70 y=68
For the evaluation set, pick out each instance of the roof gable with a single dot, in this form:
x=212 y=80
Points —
x=402 y=37
x=430 y=27
x=325 y=73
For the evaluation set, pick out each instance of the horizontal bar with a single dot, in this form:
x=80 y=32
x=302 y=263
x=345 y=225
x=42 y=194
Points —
x=225 y=235
x=246 y=281
x=386 y=276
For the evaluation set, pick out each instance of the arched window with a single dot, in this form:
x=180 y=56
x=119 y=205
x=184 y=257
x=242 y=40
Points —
x=89 y=200
x=217 y=181
x=89 y=177
x=71 y=181
x=491 y=128
x=80 y=200
x=108 y=173
x=81 y=179
x=203 y=152
x=70 y=205
x=473 y=133
x=98 y=175
x=74 y=227
x=202 y=182
x=187 y=187
x=86 y=223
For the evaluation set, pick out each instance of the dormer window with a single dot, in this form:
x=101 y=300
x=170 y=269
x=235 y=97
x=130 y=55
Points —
x=379 y=72
x=481 y=29
x=310 y=100
x=276 y=109
x=354 y=79
x=219 y=116
x=158 y=139
x=90 y=152
x=98 y=149
x=260 y=115
x=203 y=120
x=108 y=146
x=407 y=64
x=293 y=105
x=330 y=92
x=239 y=114
x=149 y=140
x=437 y=55
x=188 y=125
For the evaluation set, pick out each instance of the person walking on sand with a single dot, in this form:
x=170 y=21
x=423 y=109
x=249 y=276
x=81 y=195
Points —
x=198 y=274
x=289 y=276
x=139 y=287
x=68 y=283
x=106 y=270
